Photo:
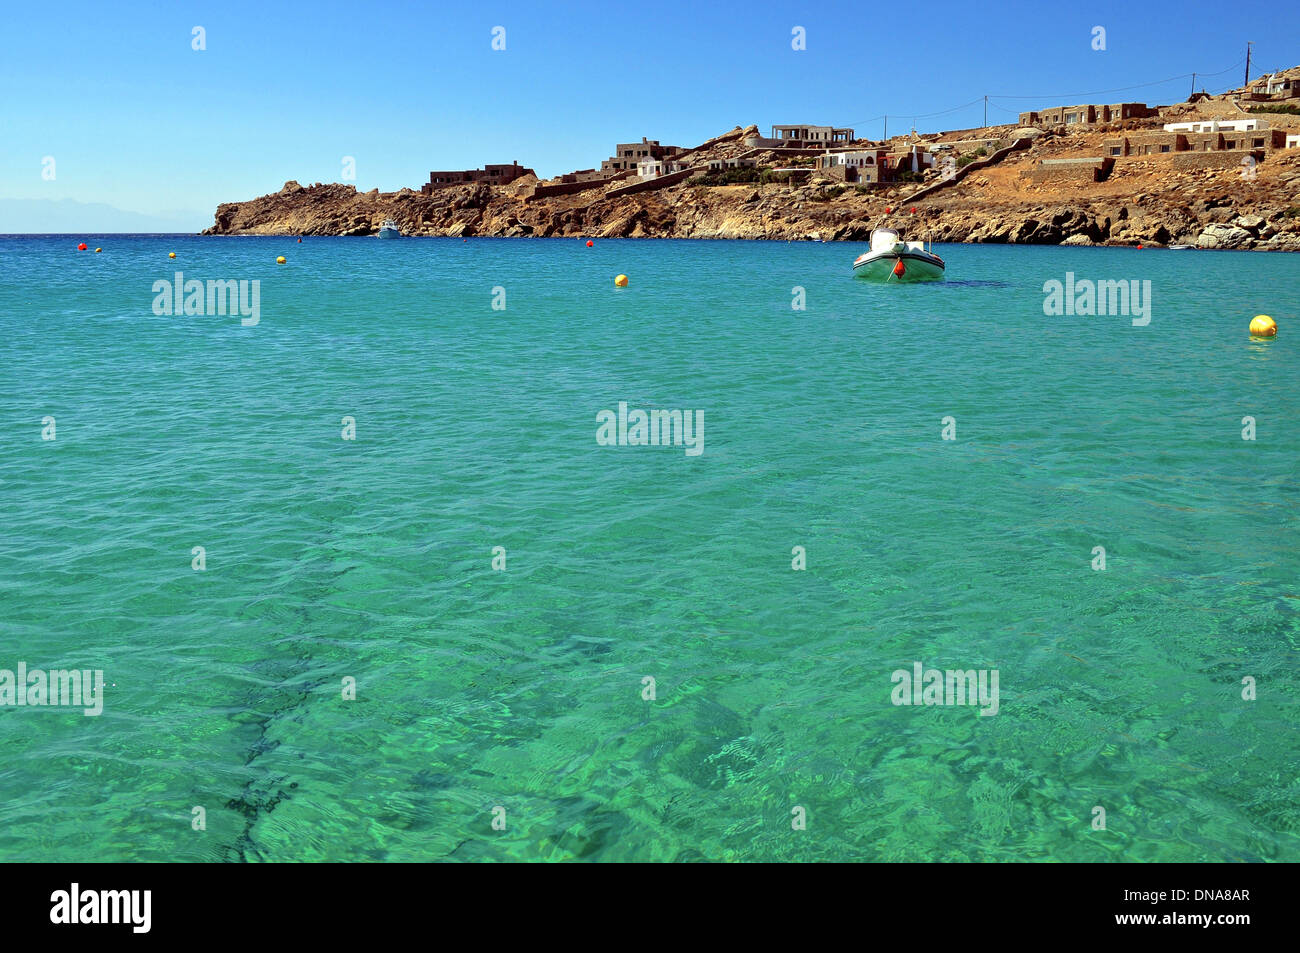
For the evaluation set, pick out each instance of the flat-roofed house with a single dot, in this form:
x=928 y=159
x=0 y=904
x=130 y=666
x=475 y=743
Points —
x=651 y=168
x=581 y=175
x=498 y=174
x=501 y=174
x=719 y=165
x=628 y=155
x=855 y=165
x=1086 y=115
x=1254 y=141
x=1153 y=142
x=1217 y=125
x=808 y=136
x=1275 y=86
x=1118 y=112
x=1069 y=116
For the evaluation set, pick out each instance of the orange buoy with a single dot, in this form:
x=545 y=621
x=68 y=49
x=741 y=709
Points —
x=81 y=247
x=899 y=268
x=589 y=243
x=300 y=241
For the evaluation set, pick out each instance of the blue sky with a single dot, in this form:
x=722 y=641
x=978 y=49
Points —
x=136 y=118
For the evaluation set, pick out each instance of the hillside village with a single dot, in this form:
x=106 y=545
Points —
x=1218 y=171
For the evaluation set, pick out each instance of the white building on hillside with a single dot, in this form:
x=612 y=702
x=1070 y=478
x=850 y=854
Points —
x=653 y=168
x=1217 y=125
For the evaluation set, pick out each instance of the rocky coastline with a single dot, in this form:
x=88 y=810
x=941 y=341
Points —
x=1142 y=202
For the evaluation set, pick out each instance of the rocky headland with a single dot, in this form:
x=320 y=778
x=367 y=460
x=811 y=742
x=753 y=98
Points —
x=1143 y=200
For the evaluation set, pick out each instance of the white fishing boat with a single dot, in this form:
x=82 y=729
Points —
x=389 y=229
x=892 y=259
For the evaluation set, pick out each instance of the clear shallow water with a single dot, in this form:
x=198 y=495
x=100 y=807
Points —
x=476 y=428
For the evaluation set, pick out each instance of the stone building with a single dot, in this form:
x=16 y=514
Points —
x=650 y=168
x=1274 y=87
x=581 y=175
x=1086 y=115
x=628 y=155
x=1144 y=143
x=491 y=174
x=866 y=166
x=1155 y=142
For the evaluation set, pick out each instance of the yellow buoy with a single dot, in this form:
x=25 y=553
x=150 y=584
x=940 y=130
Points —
x=98 y=250
x=281 y=260
x=1263 y=326
x=620 y=281
x=171 y=254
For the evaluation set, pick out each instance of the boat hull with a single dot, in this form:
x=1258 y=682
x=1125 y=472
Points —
x=389 y=233
x=917 y=266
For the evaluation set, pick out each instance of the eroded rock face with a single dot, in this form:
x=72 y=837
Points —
x=1223 y=236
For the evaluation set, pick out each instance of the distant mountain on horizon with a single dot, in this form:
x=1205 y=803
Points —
x=70 y=217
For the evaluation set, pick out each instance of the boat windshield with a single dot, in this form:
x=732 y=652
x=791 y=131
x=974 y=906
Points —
x=883 y=238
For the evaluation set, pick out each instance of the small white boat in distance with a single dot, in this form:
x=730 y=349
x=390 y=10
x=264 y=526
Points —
x=892 y=259
x=389 y=229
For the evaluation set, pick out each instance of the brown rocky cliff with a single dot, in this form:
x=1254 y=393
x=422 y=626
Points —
x=1146 y=200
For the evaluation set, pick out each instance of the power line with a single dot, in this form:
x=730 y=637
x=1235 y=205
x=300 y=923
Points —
x=1057 y=96
x=1120 y=89
x=944 y=112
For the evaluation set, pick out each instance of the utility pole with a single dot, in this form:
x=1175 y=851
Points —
x=1193 y=92
x=986 y=112
x=1248 y=46
x=886 y=129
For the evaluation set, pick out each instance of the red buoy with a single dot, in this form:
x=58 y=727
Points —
x=589 y=243
x=81 y=247
x=899 y=269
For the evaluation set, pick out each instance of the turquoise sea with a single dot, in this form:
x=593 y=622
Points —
x=475 y=427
